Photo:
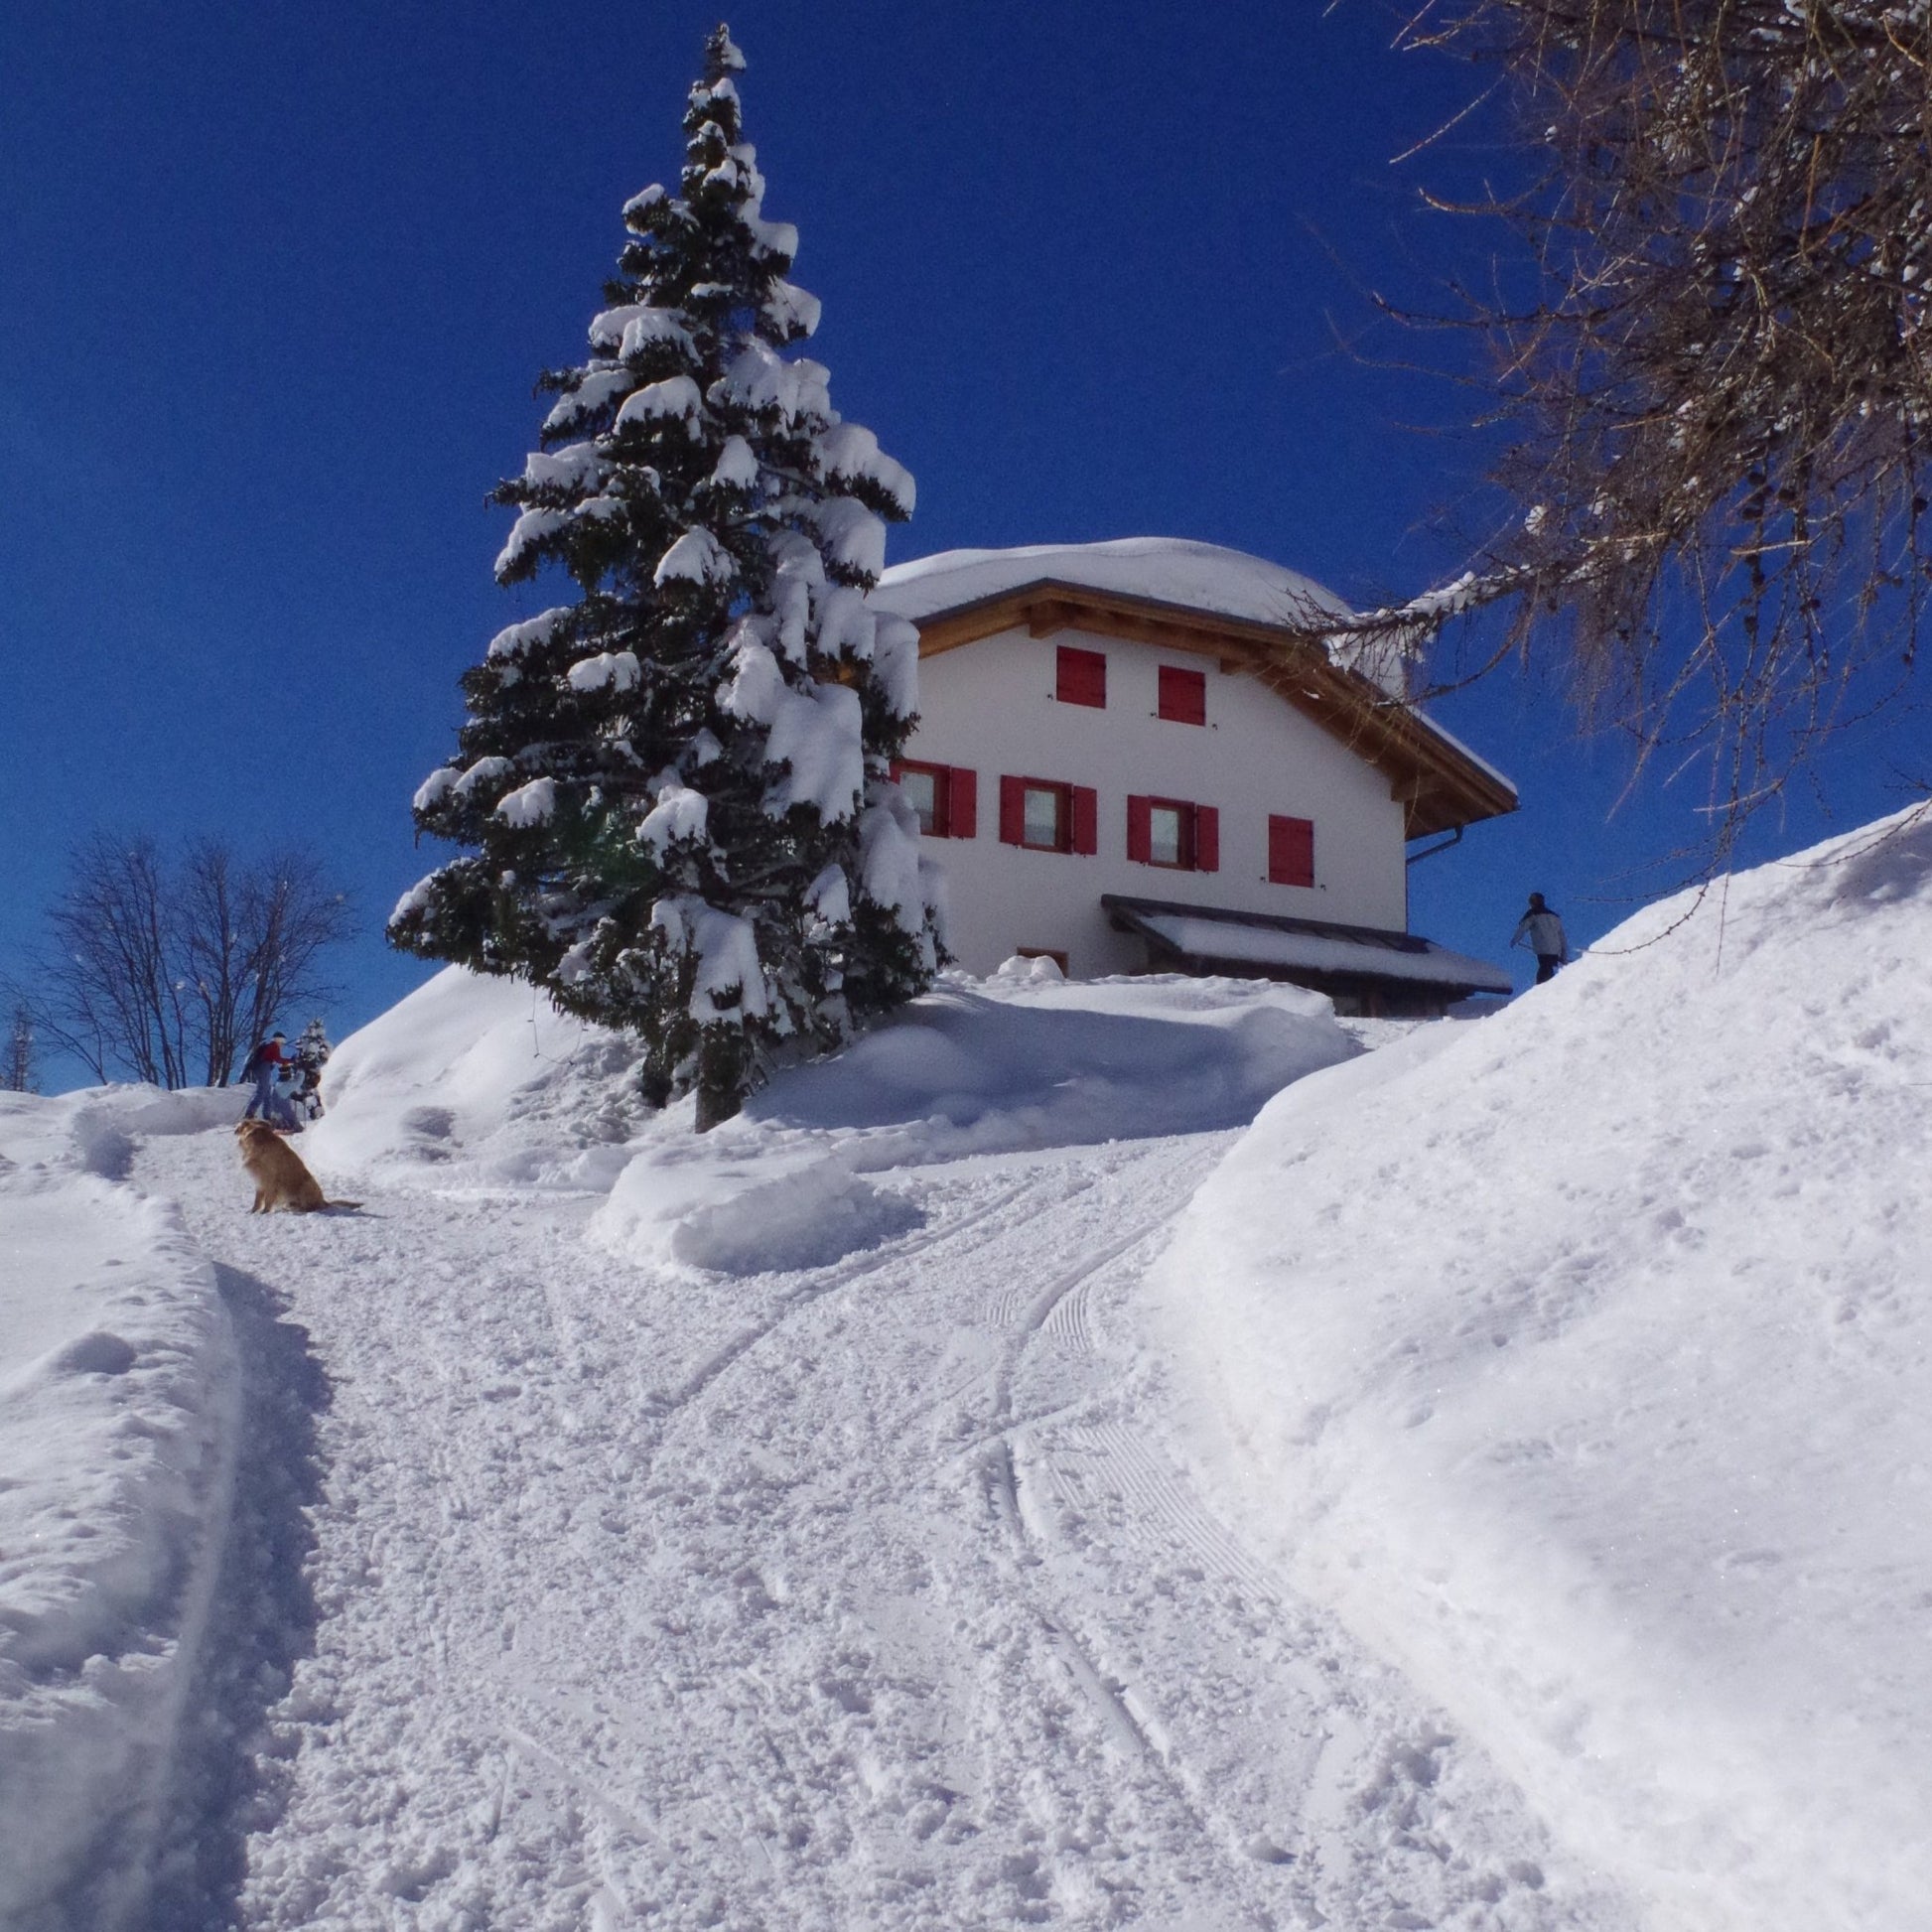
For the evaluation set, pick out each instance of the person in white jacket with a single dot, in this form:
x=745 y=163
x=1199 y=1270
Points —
x=1542 y=931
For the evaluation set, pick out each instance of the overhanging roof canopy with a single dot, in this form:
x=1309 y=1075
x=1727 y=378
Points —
x=1246 y=613
x=1201 y=935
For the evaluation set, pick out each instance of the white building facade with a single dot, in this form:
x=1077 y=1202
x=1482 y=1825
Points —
x=1142 y=755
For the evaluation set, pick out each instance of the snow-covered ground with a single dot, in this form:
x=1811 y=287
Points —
x=1582 y=1362
x=118 y=1398
x=980 y=1486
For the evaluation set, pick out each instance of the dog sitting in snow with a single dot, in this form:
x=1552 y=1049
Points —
x=281 y=1178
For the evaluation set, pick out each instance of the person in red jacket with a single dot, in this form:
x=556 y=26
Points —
x=264 y=1067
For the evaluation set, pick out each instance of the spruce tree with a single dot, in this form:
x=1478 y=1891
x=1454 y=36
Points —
x=678 y=784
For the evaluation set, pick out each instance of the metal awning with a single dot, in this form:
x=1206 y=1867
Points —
x=1204 y=938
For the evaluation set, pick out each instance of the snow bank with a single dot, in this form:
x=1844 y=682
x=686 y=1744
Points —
x=117 y=1425
x=1026 y=1060
x=1583 y=1358
x=477 y=1083
x=474 y=1082
x=799 y=1220
x=976 y=1066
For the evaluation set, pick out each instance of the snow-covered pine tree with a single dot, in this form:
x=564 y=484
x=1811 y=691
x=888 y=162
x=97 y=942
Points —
x=678 y=783
x=312 y=1047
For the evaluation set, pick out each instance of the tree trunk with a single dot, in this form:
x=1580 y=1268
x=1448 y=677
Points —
x=717 y=1103
x=720 y=1082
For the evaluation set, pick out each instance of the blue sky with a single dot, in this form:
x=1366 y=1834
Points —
x=277 y=280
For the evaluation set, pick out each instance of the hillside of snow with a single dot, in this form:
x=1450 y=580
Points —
x=1582 y=1362
x=992 y=1481
x=118 y=1432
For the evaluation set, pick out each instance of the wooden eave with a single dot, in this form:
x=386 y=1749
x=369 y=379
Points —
x=1439 y=786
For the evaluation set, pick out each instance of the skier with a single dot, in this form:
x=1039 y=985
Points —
x=264 y=1067
x=1542 y=930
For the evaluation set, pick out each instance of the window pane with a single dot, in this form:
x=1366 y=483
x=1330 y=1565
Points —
x=1163 y=835
x=1042 y=815
x=922 y=794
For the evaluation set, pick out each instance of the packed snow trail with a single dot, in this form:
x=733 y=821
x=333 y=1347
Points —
x=870 y=1595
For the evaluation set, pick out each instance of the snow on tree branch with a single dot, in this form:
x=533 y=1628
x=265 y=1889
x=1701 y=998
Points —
x=662 y=779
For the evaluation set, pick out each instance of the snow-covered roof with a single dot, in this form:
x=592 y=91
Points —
x=1165 y=570
x=1271 y=619
x=1305 y=946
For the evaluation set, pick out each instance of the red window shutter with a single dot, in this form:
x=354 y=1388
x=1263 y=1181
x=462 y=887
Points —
x=1291 y=851
x=1080 y=676
x=1012 y=811
x=1086 y=819
x=1183 y=695
x=1139 y=833
x=1207 y=839
x=962 y=802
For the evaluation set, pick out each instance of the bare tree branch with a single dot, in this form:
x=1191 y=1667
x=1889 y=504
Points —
x=1719 y=406
x=164 y=972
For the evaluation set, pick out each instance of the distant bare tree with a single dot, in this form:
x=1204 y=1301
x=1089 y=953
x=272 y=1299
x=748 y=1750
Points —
x=167 y=972
x=251 y=936
x=1721 y=401
x=113 y=998
x=17 y=1073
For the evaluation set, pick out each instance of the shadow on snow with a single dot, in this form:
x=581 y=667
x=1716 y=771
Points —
x=262 y=1621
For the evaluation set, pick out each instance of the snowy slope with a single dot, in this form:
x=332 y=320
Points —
x=1582 y=1362
x=599 y=1569
x=117 y=1404
x=984 y=1486
x=675 y=1568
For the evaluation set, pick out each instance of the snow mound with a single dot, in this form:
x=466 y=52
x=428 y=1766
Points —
x=975 y=1067
x=1009 y=1062
x=477 y=1082
x=471 y=1083
x=800 y=1220
x=1582 y=1359
x=117 y=1428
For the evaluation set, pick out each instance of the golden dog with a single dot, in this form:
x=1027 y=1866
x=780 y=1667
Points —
x=281 y=1180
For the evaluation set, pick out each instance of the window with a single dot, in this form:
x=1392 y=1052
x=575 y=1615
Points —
x=1080 y=677
x=1046 y=817
x=925 y=793
x=1291 y=851
x=946 y=796
x=1171 y=839
x=1183 y=695
x=1043 y=816
x=1173 y=833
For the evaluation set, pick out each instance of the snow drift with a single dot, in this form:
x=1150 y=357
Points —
x=475 y=1083
x=478 y=1082
x=117 y=1427
x=1583 y=1360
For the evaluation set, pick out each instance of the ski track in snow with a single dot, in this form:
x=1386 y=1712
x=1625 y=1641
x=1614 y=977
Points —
x=872 y=1596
